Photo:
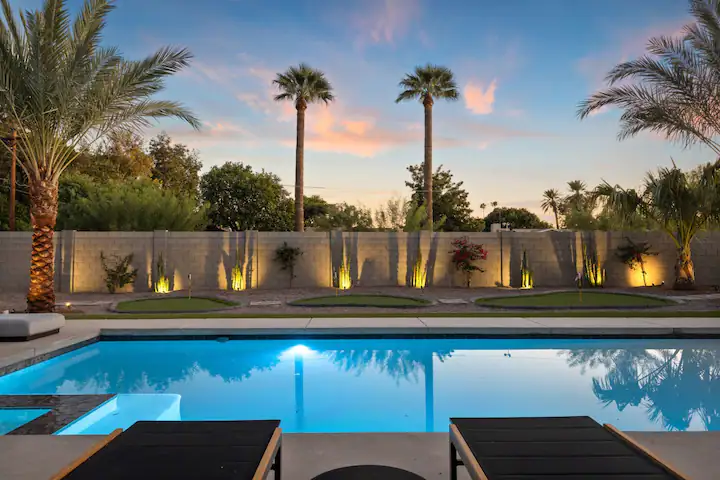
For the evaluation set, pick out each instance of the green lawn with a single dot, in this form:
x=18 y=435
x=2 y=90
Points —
x=361 y=301
x=173 y=304
x=574 y=300
x=360 y=314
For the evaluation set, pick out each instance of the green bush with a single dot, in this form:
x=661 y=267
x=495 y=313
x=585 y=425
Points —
x=117 y=271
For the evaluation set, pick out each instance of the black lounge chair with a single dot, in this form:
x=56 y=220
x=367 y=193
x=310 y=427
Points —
x=242 y=450
x=567 y=448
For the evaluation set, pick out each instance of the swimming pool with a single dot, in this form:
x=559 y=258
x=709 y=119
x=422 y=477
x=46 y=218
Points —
x=381 y=385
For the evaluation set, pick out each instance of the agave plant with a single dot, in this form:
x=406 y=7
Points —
x=62 y=91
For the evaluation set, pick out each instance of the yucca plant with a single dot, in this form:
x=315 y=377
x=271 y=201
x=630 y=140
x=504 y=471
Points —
x=419 y=274
x=162 y=283
x=61 y=91
x=526 y=275
x=237 y=279
x=593 y=271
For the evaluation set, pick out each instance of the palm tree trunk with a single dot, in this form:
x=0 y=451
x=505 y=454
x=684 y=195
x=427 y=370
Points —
x=300 y=167
x=557 y=221
x=684 y=269
x=427 y=165
x=43 y=214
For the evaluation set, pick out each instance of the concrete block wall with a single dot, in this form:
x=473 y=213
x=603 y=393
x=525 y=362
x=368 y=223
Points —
x=376 y=259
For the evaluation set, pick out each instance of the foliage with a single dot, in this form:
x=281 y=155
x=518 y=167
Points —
x=162 y=282
x=348 y=218
x=315 y=208
x=428 y=81
x=287 y=257
x=680 y=203
x=672 y=89
x=419 y=273
x=237 y=279
x=175 y=166
x=139 y=205
x=517 y=218
x=593 y=272
x=342 y=278
x=118 y=272
x=61 y=90
x=551 y=203
x=633 y=255
x=526 y=275
x=120 y=157
x=450 y=200
x=464 y=253
x=241 y=199
x=391 y=217
x=416 y=218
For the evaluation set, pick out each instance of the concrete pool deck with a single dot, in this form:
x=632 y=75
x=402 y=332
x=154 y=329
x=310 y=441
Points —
x=307 y=455
x=78 y=332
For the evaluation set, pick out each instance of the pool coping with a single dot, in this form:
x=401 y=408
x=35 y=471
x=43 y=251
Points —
x=381 y=327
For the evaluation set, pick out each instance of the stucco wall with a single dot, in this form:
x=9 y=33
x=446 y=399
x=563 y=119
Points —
x=376 y=259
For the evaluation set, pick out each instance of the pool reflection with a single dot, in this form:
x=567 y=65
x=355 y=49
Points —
x=402 y=384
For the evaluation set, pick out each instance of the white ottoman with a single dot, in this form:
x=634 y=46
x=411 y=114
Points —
x=27 y=326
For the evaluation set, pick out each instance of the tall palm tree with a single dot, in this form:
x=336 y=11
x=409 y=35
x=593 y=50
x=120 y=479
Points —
x=425 y=84
x=672 y=89
x=680 y=203
x=60 y=90
x=551 y=202
x=483 y=207
x=302 y=85
x=576 y=199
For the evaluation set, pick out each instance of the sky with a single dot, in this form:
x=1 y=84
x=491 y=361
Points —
x=522 y=67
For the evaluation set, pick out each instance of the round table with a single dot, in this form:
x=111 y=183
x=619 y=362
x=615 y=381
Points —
x=366 y=472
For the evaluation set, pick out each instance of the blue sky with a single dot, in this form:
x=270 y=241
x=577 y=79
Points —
x=522 y=67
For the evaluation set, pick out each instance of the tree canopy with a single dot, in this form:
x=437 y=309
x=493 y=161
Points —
x=518 y=218
x=175 y=166
x=242 y=199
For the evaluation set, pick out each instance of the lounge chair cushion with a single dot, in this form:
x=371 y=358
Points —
x=24 y=325
x=213 y=450
x=571 y=448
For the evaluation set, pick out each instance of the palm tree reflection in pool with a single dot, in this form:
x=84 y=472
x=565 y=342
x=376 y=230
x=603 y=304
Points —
x=398 y=364
x=673 y=385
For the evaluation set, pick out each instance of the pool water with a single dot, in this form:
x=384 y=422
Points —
x=381 y=385
x=12 y=418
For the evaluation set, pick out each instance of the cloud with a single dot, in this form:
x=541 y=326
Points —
x=386 y=21
x=478 y=101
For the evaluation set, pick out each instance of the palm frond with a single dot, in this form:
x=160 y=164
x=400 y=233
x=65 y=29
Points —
x=428 y=80
x=303 y=83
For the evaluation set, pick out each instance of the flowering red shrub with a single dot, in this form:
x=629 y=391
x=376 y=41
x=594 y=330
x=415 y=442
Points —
x=464 y=253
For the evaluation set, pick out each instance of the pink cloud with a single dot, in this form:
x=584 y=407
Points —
x=478 y=101
x=386 y=21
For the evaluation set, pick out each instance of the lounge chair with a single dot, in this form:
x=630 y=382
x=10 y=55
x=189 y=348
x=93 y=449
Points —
x=21 y=327
x=571 y=448
x=242 y=450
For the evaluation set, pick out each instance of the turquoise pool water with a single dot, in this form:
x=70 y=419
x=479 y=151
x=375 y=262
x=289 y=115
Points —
x=12 y=418
x=406 y=385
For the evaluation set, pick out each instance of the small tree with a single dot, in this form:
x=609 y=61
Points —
x=633 y=255
x=118 y=272
x=287 y=257
x=464 y=253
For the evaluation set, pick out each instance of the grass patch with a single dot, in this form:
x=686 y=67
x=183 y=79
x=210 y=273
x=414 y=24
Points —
x=173 y=304
x=384 y=301
x=360 y=314
x=575 y=300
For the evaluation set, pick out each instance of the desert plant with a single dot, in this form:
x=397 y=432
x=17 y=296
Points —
x=343 y=280
x=593 y=271
x=237 y=279
x=633 y=255
x=526 y=275
x=419 y=274
x=464 y=253
x=63 y=88
x=117 y=271
x=287 y=257
x=162 y=284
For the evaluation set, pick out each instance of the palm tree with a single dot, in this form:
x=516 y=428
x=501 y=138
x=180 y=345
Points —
x=682 y=204
x=427 y=83
x=60 y=89
x=672 y=89
x=302 y=85
x=551 y=201
x=483 y=207
x=576 y=198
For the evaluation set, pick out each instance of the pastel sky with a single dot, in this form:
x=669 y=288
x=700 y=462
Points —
x=522 y=67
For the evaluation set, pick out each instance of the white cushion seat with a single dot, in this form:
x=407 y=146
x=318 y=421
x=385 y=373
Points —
x=26 y=326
